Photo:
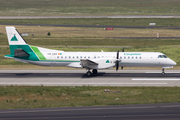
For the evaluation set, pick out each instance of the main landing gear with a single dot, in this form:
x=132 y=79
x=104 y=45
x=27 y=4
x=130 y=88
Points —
x=94 y=71
x=163 y=73
x=89 y=73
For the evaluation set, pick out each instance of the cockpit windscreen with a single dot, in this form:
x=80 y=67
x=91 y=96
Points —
x=162 y=56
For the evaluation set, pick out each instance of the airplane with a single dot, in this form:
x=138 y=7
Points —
x=91 y=61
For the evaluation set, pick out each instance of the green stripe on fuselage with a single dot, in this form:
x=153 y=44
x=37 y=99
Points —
x=59 y=61
x=38 y=53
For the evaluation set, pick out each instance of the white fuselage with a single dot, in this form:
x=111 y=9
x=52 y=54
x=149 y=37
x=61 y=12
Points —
x=105 y=60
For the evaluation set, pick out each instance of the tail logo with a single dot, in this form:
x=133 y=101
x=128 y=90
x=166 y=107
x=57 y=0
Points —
x=14 y=38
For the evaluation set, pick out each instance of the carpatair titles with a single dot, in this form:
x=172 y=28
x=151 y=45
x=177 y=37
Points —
x=132 y=53
x=14 y=38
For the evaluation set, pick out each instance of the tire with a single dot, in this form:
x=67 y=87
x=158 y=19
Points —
x=94 y=71
x=88 y=73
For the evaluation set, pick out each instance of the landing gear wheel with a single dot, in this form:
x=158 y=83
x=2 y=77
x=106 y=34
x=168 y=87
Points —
x=88 y=73
x=163 y=73
x=94 y=71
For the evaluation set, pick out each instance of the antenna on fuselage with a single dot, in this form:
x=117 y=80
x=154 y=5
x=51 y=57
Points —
x=123 y=50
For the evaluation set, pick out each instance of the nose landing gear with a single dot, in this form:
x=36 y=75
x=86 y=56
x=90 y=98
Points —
x=163 y=73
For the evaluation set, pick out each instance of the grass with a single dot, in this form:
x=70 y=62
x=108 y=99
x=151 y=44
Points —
x=93 y=7
x=74 y=36
x=98 y=21
x=38 y=97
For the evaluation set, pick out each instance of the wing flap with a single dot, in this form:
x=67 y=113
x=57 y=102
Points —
x=86 y=63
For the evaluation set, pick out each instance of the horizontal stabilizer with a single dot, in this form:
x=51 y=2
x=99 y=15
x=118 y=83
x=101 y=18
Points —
x=20 y=53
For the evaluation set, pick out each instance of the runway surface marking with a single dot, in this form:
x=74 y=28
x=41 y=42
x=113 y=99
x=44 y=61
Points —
x=27 y=83
x=160 y=72
x=172 y=106
x=163 y=79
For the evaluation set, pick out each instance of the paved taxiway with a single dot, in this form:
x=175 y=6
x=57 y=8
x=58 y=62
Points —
x=101 y=26
x=91 y=16
x=78 y=78
x=163 y=111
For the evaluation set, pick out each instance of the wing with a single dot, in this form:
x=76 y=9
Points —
x=86 y=63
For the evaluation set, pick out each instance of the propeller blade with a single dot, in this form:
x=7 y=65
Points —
x=117 y=57
x=117 y=65
x=117 y=61
x=121 y=67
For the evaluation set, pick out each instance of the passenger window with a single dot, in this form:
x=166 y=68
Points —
x=81 y=57
x=65 y=57
x=77 y=57
x=139 y=57
x=89 y=57
x=84 y=56
x=136 y=57
x=57 y=56
x=128 y=57
x=95 y=57
x=132 y=57
x=124 y=57
x=69 y=57
x=62 y=57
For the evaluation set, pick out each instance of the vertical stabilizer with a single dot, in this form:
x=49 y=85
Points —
x=18 y=47
x=14 y=38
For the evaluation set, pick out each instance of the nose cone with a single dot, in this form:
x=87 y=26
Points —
x=173 y=63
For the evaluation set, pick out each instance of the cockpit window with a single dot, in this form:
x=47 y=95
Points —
x=162 y=56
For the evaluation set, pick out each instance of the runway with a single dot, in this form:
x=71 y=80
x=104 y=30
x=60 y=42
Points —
x=162 y=111
x=77 y=77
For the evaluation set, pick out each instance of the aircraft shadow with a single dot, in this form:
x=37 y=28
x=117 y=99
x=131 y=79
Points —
x=83 y=75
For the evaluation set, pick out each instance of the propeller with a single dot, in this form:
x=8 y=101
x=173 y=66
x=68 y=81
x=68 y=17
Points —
x=117 y=61
x=122 y=51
